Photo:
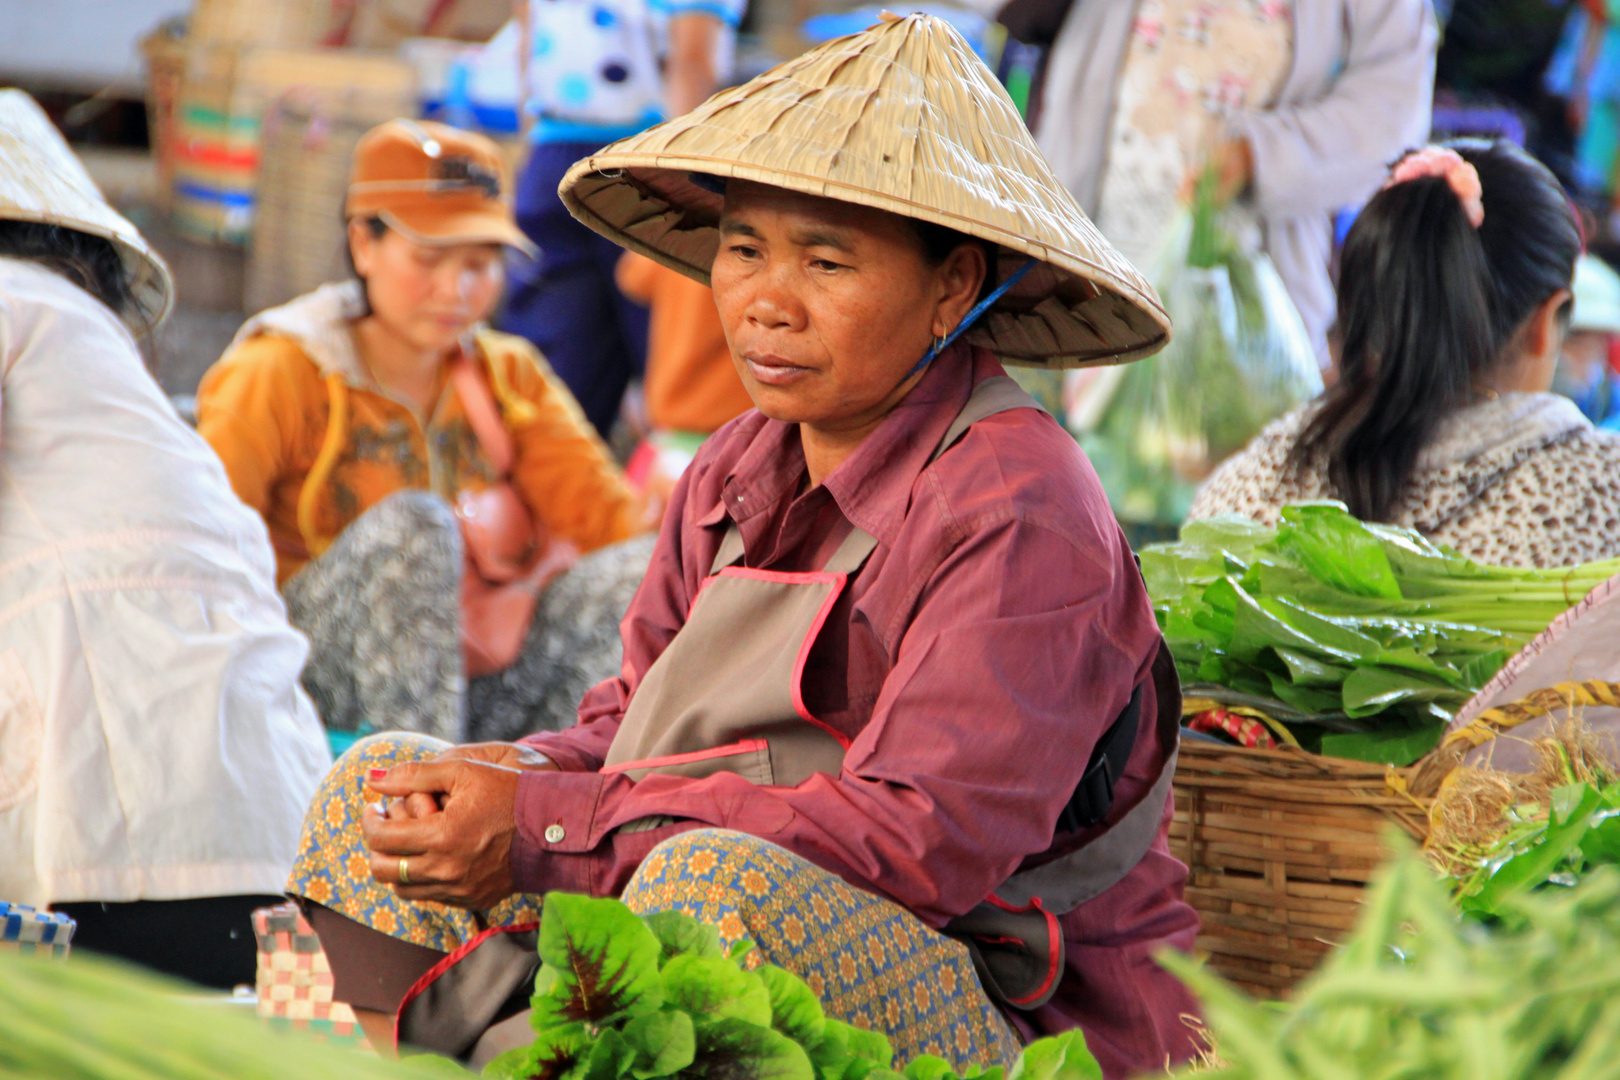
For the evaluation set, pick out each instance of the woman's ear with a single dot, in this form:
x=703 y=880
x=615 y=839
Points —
x=961 y=275
x=362 y=246
x=1539 y=341
x=1544 y=332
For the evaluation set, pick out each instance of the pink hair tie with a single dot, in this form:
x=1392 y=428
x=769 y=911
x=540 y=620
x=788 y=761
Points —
x=1439 y=162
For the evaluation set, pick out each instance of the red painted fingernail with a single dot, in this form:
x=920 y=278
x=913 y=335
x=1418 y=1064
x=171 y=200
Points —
x=377 y=774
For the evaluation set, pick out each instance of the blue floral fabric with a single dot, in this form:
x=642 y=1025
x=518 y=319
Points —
x=870 y=961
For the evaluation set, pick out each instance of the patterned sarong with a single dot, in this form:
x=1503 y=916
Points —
x=872 y=962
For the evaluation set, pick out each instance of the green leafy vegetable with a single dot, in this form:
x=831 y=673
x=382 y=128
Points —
x=1418 y=992
x=621 y=996
x=1362 y=639
x=86 y=1018
x=1545 y=842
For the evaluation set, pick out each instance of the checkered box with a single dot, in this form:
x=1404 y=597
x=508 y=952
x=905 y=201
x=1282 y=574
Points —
x=295 y=981
x=30 y=931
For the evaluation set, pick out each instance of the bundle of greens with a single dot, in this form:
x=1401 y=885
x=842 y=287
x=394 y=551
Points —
x=1355 y=640
x=91 y=1019
x=1499 y=835
x=622 y=997
x=1418 y=991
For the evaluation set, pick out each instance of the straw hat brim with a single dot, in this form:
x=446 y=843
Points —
x=150 y=279
x=904 y=118
x=43 y=181
x=1067 y=312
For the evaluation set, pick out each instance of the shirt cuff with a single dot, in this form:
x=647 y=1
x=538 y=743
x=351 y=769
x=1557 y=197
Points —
x=561 y=820
x=559 y=753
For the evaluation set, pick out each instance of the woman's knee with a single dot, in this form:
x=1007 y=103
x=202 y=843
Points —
x=720 y=857
x=414 y=520
x=381 y=751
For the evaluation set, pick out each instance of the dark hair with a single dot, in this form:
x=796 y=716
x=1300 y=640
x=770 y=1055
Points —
x=938 y=241
x=377 y=227
x=1428 y=305
x=92 y=263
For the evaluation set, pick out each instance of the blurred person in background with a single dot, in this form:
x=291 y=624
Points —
x=591 y=72
x=691 y=386
x=1585 y=73
x=369 y=420
x=1494 y=58
x=1454 y=297
x=1298 y=104
x=1585 y=374
x=156 y=752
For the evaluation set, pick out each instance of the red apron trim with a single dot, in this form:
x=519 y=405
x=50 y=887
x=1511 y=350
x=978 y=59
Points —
x=450 y=961
x=785 y=577
x=1053 y=941
x=730 y=749
x=804 y=658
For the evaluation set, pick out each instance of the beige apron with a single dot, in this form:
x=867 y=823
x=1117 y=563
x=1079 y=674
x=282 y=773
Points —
x=725 y=696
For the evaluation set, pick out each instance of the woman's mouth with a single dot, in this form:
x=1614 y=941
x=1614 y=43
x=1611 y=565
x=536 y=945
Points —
x=773 y=370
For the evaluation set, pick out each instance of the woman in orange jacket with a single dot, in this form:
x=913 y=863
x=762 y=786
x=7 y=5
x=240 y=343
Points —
x=354 y=418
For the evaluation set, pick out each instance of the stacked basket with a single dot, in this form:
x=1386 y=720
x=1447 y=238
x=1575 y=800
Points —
x=228 y=94
x=294 y=980
x=298 y=231
x=30 y=931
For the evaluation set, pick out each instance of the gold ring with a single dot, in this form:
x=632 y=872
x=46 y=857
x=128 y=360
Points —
x=404 y=872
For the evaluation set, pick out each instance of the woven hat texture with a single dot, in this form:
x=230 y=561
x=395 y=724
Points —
x=41 y=180
x=902 y=117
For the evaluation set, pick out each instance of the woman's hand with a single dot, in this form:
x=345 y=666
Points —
x=458 y=854
x=1233 y=163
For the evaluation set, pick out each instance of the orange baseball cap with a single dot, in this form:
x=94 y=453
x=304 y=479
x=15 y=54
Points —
x=435 y=184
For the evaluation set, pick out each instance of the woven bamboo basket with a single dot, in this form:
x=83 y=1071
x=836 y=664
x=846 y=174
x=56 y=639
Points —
x=255 y=22
x=165 y=57
x=298 y=232
x=229 y=92
x=1280 y=844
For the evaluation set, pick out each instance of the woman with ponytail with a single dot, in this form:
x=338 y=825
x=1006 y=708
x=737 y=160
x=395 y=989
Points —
x=1454 y=299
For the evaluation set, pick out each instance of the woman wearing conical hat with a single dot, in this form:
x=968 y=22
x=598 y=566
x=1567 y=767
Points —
x=156 y=752
x=894 y=704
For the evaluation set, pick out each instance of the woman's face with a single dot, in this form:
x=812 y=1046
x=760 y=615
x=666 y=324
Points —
x=826 y=305
x=428 y=295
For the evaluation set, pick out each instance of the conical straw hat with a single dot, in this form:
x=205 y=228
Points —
x=902 y=117
x=42 y=180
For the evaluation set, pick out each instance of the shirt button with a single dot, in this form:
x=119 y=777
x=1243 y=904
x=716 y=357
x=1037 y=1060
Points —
x=554 y=834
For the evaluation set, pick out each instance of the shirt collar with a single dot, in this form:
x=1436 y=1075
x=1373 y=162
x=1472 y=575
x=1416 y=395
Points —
x=872 y=486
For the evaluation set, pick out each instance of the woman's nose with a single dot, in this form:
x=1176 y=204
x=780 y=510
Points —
x=773 y=304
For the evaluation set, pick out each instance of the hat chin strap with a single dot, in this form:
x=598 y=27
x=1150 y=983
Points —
x=969 y=319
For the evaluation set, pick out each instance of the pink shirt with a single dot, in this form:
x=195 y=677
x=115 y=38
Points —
x=990 y=640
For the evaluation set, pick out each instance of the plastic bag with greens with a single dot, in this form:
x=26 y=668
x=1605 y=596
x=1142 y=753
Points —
x=1239 y=358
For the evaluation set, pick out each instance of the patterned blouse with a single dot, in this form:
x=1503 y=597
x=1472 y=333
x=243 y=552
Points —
x=1523 y=480
x=1190 y=64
